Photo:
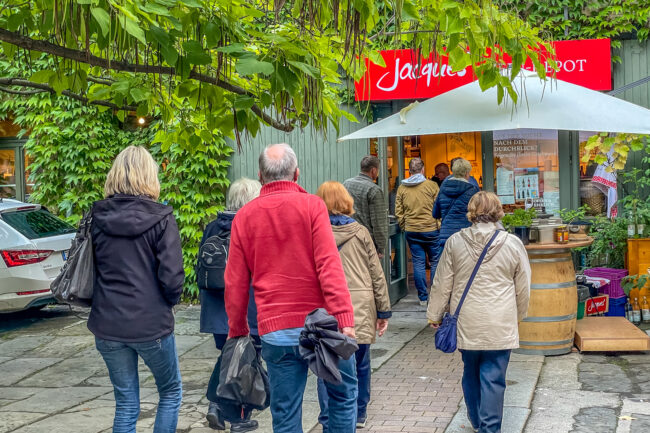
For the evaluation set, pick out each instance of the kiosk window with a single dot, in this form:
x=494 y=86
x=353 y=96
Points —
x=597 y=186
x=526 y=168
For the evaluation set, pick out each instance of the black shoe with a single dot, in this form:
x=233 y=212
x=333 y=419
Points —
x=243 y=426
x=215 y=421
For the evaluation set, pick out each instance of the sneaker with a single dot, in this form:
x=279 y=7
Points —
x=423 y=303
x=361 y=421
x=243 y=426
x=215 y=421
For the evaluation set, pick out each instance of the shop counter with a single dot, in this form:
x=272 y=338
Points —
x=550 y=326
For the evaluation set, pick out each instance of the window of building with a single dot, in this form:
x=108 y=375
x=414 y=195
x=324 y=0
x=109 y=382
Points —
x=7 y=173
x=527 y=169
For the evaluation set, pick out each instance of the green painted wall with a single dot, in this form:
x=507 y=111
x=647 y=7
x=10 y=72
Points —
x=320 y=157
x=635 y=65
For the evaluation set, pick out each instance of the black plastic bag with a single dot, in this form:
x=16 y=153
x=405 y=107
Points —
x=242 y=378
x=74 y=284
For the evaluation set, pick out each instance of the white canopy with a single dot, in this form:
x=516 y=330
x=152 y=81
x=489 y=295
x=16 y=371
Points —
x=542 y=105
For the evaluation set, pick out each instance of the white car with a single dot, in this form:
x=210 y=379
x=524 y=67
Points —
x=33 y=247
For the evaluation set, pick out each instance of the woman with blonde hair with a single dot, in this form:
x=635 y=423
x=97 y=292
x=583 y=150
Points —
x=496 y=300
x=138 y=279
x=367 y=286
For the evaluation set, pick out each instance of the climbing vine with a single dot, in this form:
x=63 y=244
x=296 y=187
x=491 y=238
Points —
x=72 y=146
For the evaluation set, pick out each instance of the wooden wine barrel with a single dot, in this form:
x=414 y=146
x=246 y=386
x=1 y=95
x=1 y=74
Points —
x=550 y=325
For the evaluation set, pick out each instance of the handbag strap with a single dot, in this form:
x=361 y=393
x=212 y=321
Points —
x=478 y=264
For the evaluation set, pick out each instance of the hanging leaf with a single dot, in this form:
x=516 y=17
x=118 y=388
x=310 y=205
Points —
x=249 y=65
x=102 y=18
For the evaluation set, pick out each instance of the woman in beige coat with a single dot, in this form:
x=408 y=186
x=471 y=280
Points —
x=496 y=301
x=367 y=286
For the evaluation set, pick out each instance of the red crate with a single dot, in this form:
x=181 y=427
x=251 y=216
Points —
x=615 y=276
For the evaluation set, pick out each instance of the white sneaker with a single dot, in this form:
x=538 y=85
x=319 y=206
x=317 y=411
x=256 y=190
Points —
x=423 y=303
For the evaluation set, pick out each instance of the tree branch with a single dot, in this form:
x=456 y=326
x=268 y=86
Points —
x=45 y=88
x=21 y=92
x=83 y=57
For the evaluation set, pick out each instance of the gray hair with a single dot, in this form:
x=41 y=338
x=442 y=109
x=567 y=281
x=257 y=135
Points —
x=273 y=168
x=368 y=163
x=461 y=168
x=416 y=165
x=241 y=192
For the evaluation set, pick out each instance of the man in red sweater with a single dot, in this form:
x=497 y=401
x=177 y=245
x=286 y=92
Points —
x=282 y=243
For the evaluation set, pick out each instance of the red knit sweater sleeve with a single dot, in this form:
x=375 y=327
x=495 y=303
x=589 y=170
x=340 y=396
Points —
x=329 y=267
x=238 y=280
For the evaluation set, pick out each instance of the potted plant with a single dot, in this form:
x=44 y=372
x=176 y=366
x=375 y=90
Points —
x=576 y=221
x=519 y=222
x=610 y=243
x=636 y=205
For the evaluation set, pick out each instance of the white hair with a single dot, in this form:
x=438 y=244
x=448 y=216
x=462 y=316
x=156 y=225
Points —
x=241 y=192
x=273 y=169
x=461 y=167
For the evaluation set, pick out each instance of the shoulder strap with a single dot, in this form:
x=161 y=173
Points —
x=478 y=264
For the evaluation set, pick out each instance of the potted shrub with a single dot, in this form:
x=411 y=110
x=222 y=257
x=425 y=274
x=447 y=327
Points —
x=519 y=223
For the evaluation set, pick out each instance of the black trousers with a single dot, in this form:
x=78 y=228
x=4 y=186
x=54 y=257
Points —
x=230 y=412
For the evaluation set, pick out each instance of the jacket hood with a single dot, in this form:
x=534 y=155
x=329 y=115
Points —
x=455 y=187
x=224 y=220
x=346 y=232
x=414 y=180
x=478 y=235
x=127 y=215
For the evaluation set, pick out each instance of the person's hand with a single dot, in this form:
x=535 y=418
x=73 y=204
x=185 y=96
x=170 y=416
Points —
x=434 y=325
x=349 y=332
x=381 y=256
x=382 y=325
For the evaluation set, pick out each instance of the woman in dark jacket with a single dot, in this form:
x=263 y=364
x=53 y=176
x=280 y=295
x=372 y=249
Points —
x=138 y=279
x=451 y=205
x=213 y=313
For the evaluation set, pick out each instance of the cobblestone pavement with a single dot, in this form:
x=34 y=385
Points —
x=53 y=379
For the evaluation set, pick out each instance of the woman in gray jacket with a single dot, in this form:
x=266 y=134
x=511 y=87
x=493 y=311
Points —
x=495 y=303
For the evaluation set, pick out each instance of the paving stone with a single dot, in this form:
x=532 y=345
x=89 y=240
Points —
x=62 y=347
x=69 y=372
x=83 y=421
x=595 y=420
x=13 y=371
x=205 y=350
x=514 y=419
x=4 y=359
x=56 y=400
x=17 y=346
x=185 y=343
x=640 y=423
x=604 y=377
x=17 y=393
x=10 y=421
x=561 y=372
x=79 y=328
x=521 y=379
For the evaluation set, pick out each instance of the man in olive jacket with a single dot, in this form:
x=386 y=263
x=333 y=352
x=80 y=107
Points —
x=413 y=209
x=370 y=207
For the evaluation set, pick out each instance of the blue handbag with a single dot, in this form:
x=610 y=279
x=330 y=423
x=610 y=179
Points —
x=446 y=335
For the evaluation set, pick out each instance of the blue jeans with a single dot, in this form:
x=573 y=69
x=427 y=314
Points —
x=288 y=376
x=362 y=358
x=122 y=362
x=422 y=244
x=484 y=387
x=230 y=412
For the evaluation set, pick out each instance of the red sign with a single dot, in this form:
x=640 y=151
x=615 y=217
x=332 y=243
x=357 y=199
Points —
x=408 y=75
x=596 y=305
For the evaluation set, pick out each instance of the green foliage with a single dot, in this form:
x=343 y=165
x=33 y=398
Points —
x=519 y=218
x=635 y=203
x=225 y=67
x=570 y=215
x=72 y=147
x=610 y=242
x=634 y=282
x=598 y=147
x=587 y=19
